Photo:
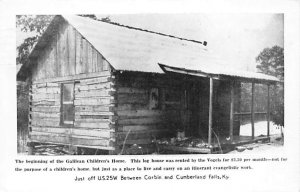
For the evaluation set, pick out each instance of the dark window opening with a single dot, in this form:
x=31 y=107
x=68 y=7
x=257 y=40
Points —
x=67 y=104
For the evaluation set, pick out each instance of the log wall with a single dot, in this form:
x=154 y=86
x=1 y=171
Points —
x=94 y=110
x=136 y=122
x=93 y=124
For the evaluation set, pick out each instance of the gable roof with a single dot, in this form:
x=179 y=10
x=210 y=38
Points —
x=133 y=50
x=128 y=49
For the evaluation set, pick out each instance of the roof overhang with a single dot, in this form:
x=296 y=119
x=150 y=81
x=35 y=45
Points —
x=250 y=77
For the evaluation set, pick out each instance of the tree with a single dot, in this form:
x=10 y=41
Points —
x=36 y=25
x=271 y=62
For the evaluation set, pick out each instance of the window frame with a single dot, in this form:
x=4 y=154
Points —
x=63 y=103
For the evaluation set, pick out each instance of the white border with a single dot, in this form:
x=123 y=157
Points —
x=284 y=177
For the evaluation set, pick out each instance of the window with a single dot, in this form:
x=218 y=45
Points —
x=154 y=99
x=164 y=99
x=67 y=104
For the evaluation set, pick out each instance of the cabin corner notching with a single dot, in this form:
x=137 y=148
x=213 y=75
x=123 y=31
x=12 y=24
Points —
x=99 y=85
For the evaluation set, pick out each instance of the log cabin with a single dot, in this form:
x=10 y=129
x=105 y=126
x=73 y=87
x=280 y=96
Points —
x=100 y=85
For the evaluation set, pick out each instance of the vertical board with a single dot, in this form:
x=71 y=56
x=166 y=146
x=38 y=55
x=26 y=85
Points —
x=64 y=51
x=78 y=53
x=99 y=66
x=84 y=56
x=58 y=55
x=105 y=65
x=57 y=66
x=81 y=61
x=51 y=61
x=67 y=53
x=71 y=50
x=94 y=55
x=89 y=58
x=39 y=69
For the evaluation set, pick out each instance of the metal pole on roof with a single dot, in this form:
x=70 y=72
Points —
x=210 y=108
x=252 y=110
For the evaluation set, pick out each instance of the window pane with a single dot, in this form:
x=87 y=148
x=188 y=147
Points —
x=68 y=112
x=68 y=92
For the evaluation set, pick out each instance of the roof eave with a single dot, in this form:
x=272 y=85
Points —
x=172 y=69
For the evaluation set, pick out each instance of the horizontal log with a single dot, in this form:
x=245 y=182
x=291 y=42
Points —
x=45 y=122
x=132 y=98
x=44 y=115
x=121 y=90
x=92 y=120
x=102 y=133
x=133 y=106
x=48 y=137
x=98 y=101
x=73 y=132
x=140 y=127
x=95 y=113
x=46 y=109
x=85 y=140
x=94 y=108
x=45 y=84
x=39 y=85
x=140 y=121
x=140 y=113
x=45 y=103
x=165 y=114
x=59 y=130
x=50 y=102
x=96 y=80
x=98 y=125
x=101 y=86
x=94 y=93
x=60 y=139
x=74 y=77
x=53 y=90
x=96 y=117
x=137 y=81
x=53 y=84
x=46 y=96
x=172 y=102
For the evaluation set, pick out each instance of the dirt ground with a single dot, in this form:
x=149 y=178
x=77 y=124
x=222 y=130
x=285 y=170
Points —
x=275 y=146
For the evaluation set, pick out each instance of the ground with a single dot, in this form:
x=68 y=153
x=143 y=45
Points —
x=275 y=146
x=276 y=143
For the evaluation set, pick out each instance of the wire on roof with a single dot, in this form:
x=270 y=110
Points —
x=149 y=31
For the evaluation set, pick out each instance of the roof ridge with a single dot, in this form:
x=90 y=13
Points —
x=204 y=43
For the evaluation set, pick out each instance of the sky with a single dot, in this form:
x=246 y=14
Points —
x=236 y=38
